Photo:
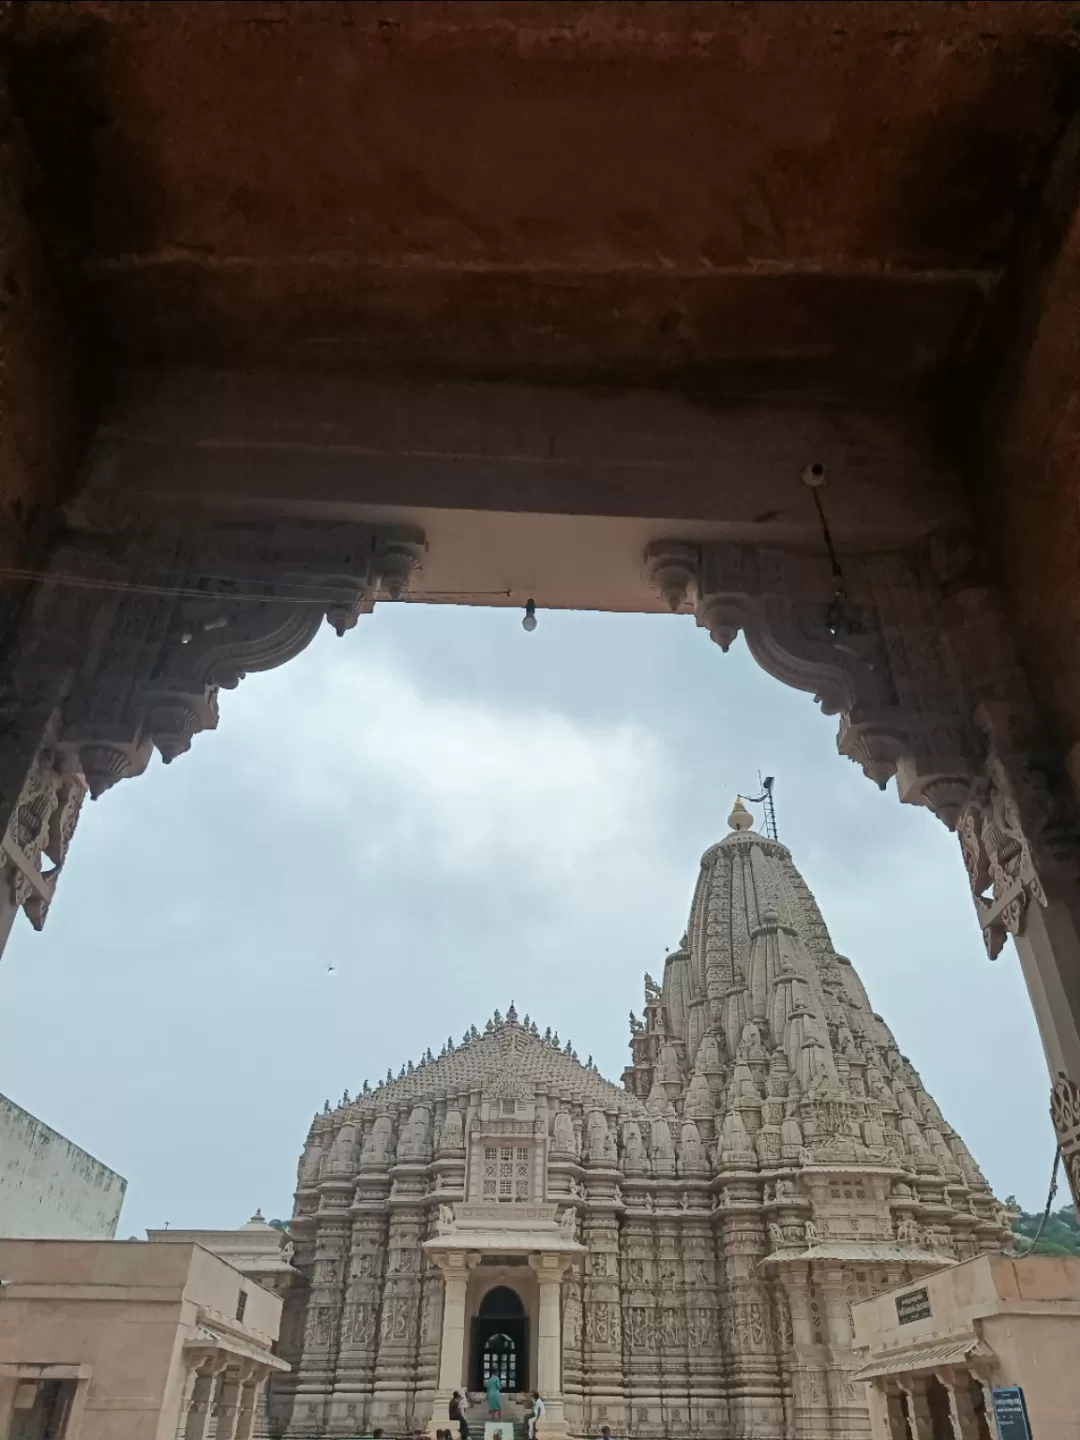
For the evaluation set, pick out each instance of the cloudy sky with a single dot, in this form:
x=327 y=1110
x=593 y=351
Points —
x=455 y=814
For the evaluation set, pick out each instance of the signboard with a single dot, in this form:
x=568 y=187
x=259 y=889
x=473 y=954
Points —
x=1010 y=1412
x=912 y=1306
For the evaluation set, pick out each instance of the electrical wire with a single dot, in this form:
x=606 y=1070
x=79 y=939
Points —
x=1049 y=1201
x=313 y=594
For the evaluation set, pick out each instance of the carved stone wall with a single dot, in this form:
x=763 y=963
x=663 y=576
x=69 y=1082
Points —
x=710 y=1301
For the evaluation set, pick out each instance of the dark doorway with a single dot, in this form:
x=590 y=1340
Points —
x=500 y=1335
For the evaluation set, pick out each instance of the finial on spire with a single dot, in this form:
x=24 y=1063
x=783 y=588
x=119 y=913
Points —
x=740 y=818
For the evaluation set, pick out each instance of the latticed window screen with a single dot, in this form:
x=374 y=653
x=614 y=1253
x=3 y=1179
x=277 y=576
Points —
x=507 y=1172
x=491 y=1172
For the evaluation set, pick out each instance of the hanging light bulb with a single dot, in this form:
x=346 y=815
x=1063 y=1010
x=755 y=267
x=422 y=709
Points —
x=529 y=623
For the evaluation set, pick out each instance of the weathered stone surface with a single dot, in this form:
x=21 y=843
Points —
x=589 y=190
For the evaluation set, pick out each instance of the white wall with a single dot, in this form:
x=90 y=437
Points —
x=49 y=1188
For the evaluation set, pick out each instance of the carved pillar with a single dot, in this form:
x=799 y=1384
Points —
x=809 y=1381
x=355 y=1376
x=455 y=1266
x=399 y=1331
x=639 y=1285
x=602 y=1367
x=896 y=1415
x=1049 y=950
x=249 y=1405
x=549 y=1270
x=755 y=1392
x=1021 y=854
x=573 y=1375
x=200 y=1407
x=227 y=1406
x=918 y=1408
x=428 y=1353
x=965 y=1422
x=322 y=1317
x=671 y=1305
x=705 y=1362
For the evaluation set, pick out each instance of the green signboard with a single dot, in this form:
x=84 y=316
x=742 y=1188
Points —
x=913 y=1305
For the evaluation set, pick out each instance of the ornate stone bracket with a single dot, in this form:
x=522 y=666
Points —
x=919 y=666
x=874 y=659
x=1065 y=1113
x=186 y=611
x=918 y=661
x=35 y=844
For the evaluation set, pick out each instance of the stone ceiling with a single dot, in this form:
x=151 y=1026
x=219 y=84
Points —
x=811 y=195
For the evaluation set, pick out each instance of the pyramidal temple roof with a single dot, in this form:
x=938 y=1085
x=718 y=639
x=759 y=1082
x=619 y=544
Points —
x=759 y=1051
x=509 y=1059
x=759 y=1013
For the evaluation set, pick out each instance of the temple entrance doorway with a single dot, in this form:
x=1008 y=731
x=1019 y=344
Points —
x=500 y=1341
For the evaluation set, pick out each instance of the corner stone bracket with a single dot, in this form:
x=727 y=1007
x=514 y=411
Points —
x=128 y=637
x=874 y=657
x=35 y=844
x=1065 y=1113
x=918 y=663
x=184 y=611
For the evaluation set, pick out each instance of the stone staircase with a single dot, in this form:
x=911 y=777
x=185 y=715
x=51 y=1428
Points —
x=514 y=1410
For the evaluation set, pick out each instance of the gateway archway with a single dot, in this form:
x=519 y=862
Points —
x=910 y=650
x=500 y=1341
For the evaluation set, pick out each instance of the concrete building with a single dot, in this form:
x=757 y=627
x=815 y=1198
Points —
x=672 y=1256
x=256 y=1249
x=49 y=1188
x=934 y=1353
x=114 y=1340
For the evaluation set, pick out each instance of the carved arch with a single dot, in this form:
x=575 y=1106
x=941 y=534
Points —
x=164 y=619
x=855 y=656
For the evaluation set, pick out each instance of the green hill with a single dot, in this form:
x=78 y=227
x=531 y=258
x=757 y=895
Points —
x=1060 y=1237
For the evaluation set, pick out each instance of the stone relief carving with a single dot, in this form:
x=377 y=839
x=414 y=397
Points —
x=40 y=830
x=1065 y=1113
x=177 y=611
x=998 y=856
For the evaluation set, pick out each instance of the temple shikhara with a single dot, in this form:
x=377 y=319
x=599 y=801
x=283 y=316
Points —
x=677 y=1254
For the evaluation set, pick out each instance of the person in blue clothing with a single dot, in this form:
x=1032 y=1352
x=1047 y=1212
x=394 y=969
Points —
x=494 y=1397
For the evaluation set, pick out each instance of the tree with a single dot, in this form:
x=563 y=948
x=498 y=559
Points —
x=1060 y=1236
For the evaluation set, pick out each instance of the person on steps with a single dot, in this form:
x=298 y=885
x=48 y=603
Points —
x=494 y=1397
x=536 y=1414
x=456 y=1410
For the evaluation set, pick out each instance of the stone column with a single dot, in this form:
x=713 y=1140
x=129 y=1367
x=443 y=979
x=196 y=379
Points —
x=394 y=1388
x=355 y=1379
x=455 y=1265
x=603 y=1381
x=1049 y=950
x=754 y=1380
x=550 y=1269
x=918 y=1408
x=965 y=1423
x=249 y=1404
x=201 y=1405
x=227 y=1408
x=896 y=1415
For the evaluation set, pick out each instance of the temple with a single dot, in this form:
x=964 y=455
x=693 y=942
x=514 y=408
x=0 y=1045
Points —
x=675 y=1255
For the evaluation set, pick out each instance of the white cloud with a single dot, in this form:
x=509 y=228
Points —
x=466 y=787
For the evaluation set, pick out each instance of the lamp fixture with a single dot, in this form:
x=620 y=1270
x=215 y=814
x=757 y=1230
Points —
x=529 y=622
